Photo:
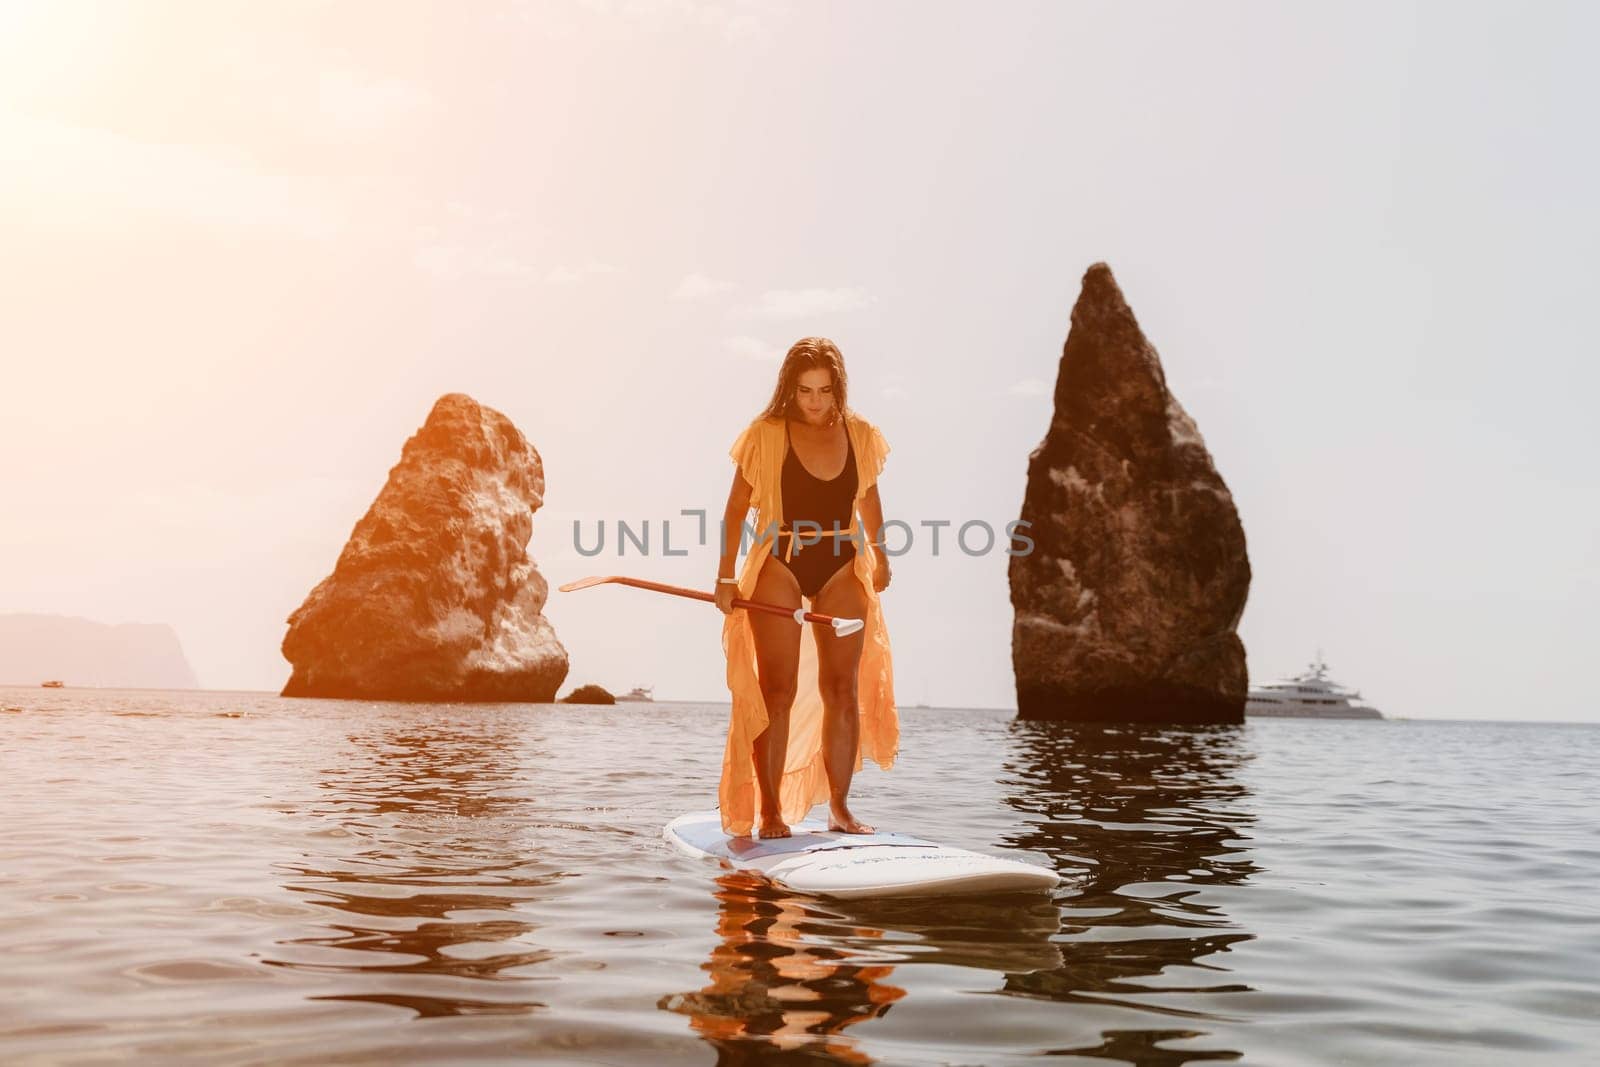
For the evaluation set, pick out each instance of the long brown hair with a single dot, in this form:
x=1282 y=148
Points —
x=808 y=353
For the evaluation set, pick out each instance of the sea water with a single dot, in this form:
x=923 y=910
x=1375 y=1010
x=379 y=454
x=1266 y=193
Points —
x=239 y=878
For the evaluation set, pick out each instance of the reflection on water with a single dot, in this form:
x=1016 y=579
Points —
x=425 y=874
x=778 y=987
x=791 y=973
x=1146 y=817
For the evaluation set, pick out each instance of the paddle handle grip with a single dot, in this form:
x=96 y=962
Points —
x=841 y=627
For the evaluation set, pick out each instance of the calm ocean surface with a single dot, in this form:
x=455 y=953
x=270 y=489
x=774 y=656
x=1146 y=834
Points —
x=237 y=878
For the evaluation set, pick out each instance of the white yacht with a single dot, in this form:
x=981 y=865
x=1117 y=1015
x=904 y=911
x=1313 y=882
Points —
x=638 y=693
x=1312 y=695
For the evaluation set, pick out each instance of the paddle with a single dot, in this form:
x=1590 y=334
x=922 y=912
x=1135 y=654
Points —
x=841 y=627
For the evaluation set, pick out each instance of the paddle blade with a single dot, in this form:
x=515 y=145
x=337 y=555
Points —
x=583 y=583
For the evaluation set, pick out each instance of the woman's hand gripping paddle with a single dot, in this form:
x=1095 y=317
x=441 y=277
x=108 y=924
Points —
x=841 y=627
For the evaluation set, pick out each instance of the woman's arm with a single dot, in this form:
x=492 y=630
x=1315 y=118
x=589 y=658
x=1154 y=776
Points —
x=733 y=517
x=872 y=524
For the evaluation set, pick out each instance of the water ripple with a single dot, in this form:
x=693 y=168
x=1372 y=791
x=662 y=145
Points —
x=230 y=878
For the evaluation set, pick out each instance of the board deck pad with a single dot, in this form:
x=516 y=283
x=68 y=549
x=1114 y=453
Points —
x=882 y=864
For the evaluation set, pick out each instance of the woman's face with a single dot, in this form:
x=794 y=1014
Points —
x=813 y=396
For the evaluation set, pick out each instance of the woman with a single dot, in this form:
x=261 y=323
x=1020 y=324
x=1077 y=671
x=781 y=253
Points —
x=807 y=705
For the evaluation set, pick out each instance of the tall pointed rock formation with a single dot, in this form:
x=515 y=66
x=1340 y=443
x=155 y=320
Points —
x=1127 y=605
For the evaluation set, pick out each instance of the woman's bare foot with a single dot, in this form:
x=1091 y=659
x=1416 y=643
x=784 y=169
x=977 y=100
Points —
x=841 y=821
x=773 y=826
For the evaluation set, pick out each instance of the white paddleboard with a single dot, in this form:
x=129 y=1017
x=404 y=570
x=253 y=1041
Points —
x=821 y=861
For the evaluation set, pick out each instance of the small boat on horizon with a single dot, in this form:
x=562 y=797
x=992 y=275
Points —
x=638 y=693
x=53 y=684
x=1310 y=695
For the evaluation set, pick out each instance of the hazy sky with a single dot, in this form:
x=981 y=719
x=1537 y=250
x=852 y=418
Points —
x=246 y=246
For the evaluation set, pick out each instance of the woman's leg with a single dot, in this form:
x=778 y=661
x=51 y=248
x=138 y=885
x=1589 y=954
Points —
x=777 y=643
x=838 y=665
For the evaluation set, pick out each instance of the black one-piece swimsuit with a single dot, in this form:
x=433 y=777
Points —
x=830 y=504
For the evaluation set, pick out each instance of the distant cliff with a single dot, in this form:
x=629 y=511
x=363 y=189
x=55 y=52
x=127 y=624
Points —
x=136 y=655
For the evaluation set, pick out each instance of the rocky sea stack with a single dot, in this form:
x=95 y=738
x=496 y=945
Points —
x=589 y=694
x=1126 y=608
x=434 y=597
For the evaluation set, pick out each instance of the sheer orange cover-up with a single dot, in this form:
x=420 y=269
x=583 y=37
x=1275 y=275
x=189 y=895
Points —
x=759 y=453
